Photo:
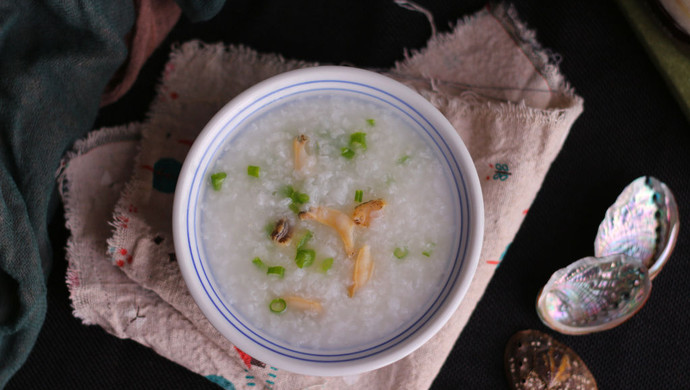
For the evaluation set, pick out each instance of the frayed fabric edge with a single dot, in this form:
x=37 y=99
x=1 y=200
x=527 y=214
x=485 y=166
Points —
x=94 y=139
x=545 y=61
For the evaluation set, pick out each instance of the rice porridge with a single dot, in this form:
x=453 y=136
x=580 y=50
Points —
x=328 y=222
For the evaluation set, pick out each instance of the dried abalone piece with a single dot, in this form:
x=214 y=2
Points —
x=642 y=223
x=282 y=232
x=594 y=294
x=534 y=360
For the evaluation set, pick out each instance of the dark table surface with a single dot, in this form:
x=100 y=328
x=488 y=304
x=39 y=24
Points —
x=631 y=126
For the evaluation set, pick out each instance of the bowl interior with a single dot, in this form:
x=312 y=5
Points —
x=235 y=121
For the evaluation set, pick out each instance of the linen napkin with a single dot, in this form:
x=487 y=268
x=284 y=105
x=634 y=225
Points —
x=501 y=91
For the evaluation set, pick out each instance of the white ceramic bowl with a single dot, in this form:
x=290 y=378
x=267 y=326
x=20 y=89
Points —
x=357 y=84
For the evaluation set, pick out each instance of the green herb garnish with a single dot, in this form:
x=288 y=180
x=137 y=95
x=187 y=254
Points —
x=217 y=180
x=277 y=270
x=400 y=253
x=305 y=257
x=297 y=198
x=258 y=263
x=403 y=159
x=300 y=197
x=253 y=171
x=347 y=153
x=287 y=191
x=358 y=196
x=430 y=250
x=326 y=264
x=358 y=139
x=277 y=305
x=371 y=122
x=303 y=241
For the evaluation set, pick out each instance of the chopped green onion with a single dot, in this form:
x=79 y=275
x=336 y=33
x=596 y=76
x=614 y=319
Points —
x=296 y=197
x=326 y=264
x=371 y=122
x=300 y=197
x=260 y=264
x=305 y=257
x=277 y=305
x=217 y=180
x=303 y=241
x=347 y=153
x=253 y=171
x=295 y=208
x=358 y=196
x=287 y=191
x=403 y=159
x=400 y=253
x=429 y=251
x=358 y=139
x=277 y=270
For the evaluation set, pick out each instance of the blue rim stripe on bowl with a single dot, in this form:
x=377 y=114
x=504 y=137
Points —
x=444 y=292
x=409 y=328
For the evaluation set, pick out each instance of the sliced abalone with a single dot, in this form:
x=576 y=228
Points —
x=642 y=223
x=534 y=360
x=594 y=294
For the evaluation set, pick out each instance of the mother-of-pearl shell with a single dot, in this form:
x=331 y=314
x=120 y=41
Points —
x=642 y=223
x=594 y=294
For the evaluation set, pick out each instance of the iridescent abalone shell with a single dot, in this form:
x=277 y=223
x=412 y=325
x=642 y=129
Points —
x=534 y=360
x=594 y=294
x=642 y=223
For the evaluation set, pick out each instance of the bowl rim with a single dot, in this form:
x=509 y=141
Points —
x=466 y=170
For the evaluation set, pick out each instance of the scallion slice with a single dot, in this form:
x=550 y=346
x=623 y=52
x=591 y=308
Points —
x=430 y=249
x=296 y=197
x=347 y=153
x=257 y=262
x=358 y=195
x=305 y=257
x=358 y=139
x=371 y=122
x=277 y=305
x=294 y=207
x=401 y=253
x=217 y=180
x=303 y=241
x=253 y=170
x=277 y=270
x=403 y=159
x=287 y=191
x=326 y=264
x=300 y=197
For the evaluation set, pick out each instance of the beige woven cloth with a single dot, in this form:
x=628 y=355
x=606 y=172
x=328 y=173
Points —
x=489 y=77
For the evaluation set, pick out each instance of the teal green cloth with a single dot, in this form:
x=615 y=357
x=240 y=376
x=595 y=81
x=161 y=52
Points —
x=56 y=57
